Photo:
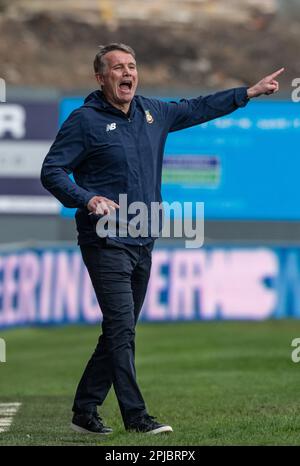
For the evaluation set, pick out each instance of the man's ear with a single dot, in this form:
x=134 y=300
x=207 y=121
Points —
x=99 y=79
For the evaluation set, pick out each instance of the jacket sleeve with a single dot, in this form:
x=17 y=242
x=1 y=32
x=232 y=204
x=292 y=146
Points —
x=65 y=154
x=186 y=113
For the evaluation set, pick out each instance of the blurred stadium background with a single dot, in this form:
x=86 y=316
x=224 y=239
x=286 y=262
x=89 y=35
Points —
x=245 y=167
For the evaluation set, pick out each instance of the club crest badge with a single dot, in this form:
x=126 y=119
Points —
x=149 y=117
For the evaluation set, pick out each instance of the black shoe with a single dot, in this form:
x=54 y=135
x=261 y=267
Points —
x=147 y=425
x=89 y=423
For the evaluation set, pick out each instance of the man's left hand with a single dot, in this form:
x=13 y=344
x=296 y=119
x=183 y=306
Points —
x=267 y=85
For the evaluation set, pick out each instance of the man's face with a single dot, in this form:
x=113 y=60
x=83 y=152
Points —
x=120 y=77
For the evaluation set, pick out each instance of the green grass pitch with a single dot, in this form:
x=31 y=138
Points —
x=216 y=383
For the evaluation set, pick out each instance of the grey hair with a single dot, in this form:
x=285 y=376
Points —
x=99 y=64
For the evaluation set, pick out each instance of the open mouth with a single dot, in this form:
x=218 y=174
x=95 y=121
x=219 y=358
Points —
x=125 y=85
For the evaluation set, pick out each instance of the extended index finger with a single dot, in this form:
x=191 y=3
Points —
x=277 y=73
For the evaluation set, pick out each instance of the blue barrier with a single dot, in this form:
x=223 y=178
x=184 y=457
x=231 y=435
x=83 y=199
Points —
x=42 y=286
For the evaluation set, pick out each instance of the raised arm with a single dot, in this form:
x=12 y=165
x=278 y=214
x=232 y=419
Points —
x=190 y=112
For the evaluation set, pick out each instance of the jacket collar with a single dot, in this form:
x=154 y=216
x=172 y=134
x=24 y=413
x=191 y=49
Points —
x=98 y=101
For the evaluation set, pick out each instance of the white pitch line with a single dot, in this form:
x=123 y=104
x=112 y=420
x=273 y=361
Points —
x=7 y=413
x=10 y=403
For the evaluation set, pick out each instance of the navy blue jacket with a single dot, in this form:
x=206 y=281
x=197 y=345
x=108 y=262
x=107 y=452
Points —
x=110 y=153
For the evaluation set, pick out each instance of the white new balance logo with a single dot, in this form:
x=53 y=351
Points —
x=111 y=127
